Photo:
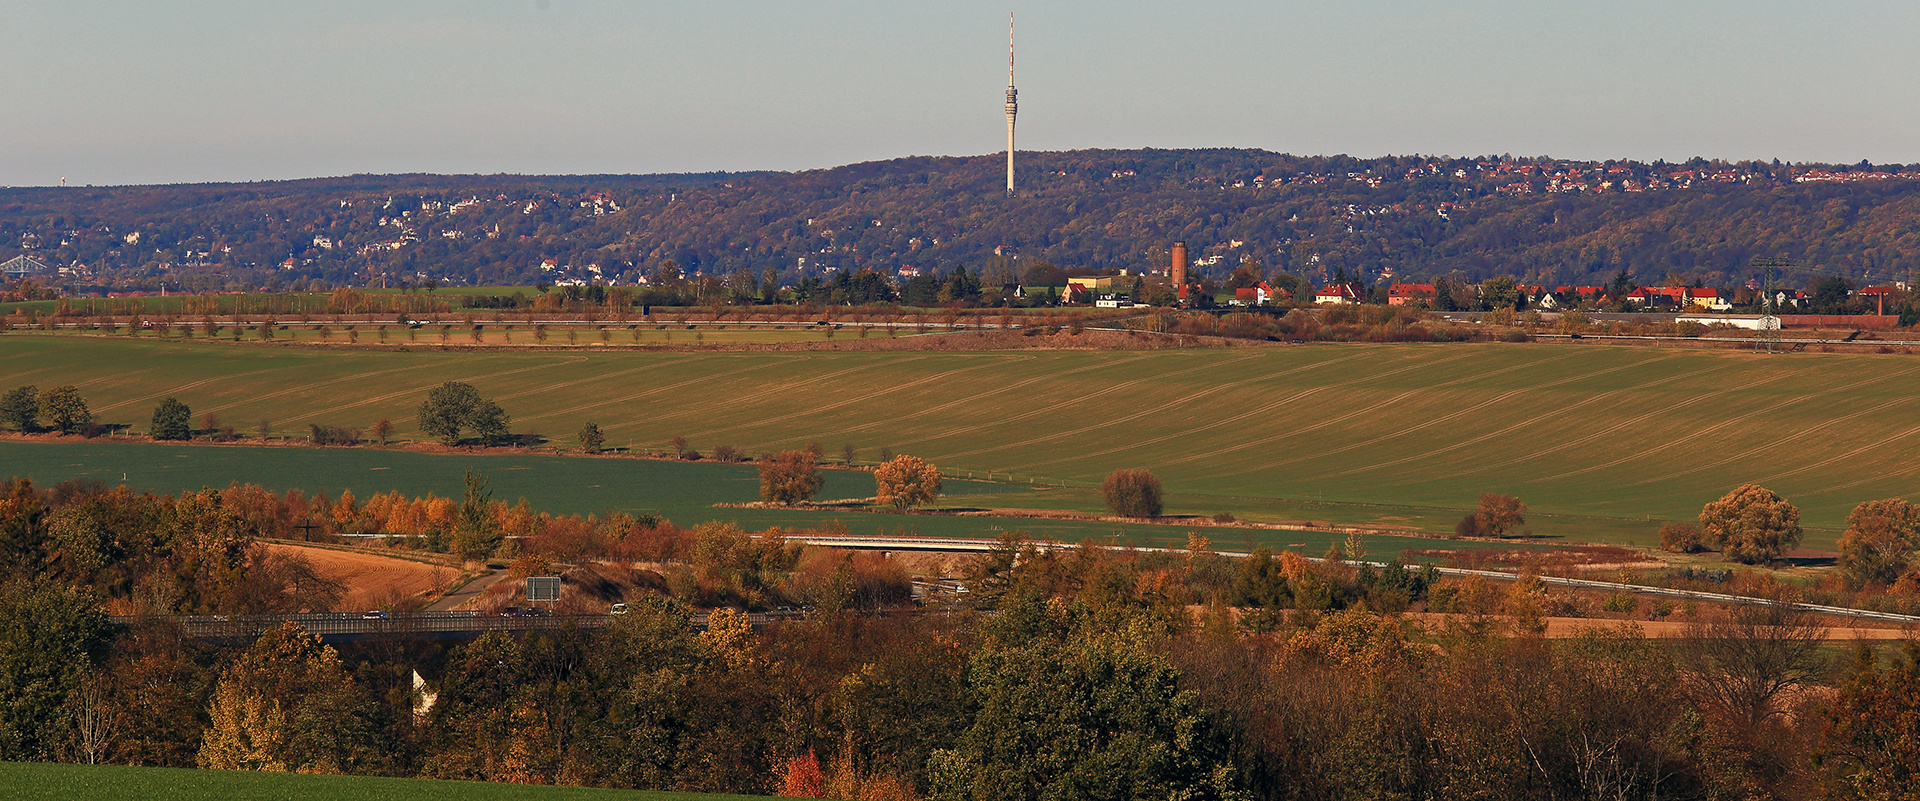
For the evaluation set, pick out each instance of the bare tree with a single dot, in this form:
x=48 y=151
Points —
x=96 y=724
x=1744 y=661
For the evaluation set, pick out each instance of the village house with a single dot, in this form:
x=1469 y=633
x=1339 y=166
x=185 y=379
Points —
x=1409 y=294
x=1709 y=299
x=1092 y=284
x=1257 y=295
x=1680 y=297
x=1337 y=293
x=1656 y=296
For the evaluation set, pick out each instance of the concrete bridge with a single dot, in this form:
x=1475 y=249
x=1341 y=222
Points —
x=339 y=627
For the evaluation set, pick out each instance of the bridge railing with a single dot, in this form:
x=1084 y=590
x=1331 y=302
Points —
x=402 y=625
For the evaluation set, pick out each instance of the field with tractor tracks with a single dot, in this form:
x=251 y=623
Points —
x=1411 y=432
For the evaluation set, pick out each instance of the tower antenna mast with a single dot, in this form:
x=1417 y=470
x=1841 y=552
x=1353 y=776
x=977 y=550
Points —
x=1013 y=106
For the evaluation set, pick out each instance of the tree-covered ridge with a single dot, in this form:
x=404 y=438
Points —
x=1541 y=220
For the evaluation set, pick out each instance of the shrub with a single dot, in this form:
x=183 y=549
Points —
x=728 y=453
x=1132 y=492
x=1682 y=538
x=335 y=435
x=1468 y=526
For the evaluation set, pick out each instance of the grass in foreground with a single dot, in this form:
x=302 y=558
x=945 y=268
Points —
x=24 y=781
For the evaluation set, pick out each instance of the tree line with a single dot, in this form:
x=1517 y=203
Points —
x=1079 y=673
x=448 y=413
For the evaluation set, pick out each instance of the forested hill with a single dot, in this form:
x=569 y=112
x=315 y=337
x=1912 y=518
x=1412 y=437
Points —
x=1541 y=220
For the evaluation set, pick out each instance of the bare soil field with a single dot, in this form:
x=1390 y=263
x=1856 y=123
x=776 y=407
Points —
x=374 y=581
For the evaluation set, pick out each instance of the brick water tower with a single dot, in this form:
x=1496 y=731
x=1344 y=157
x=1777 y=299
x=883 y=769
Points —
x=1178 y=270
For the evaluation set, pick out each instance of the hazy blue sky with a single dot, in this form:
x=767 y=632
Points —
x=129 y=91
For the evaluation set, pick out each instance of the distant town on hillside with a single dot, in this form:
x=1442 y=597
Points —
x=1416 y=220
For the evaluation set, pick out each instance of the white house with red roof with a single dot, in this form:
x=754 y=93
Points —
x=1337 y=293
x=1257 y=295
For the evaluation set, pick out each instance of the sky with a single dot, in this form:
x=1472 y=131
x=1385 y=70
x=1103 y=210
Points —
x=137 y=92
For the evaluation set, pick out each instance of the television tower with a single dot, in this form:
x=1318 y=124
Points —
x=1013 y=106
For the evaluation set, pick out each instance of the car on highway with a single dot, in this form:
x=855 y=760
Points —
x=511 y=611
x=617 y=609
x=374 y=614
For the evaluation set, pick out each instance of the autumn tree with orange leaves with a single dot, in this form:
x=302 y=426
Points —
x=790 y=477
x=906 y=482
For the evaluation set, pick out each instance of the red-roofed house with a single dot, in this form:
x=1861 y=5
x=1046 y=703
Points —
x=1405 y=294
x=1337 y=293
x=1658 y=296
x=1257 y=295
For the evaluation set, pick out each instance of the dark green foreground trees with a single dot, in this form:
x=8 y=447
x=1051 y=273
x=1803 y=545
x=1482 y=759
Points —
x=1070 y=710
x=50 y=636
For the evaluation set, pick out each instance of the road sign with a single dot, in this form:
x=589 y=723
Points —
x=543 y=588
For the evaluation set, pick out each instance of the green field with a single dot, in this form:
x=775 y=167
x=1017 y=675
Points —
x=683 y=492
x=1611 y=437
x=24 y=781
